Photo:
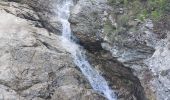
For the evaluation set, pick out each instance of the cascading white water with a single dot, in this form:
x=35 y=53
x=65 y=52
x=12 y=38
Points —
x=97 y=82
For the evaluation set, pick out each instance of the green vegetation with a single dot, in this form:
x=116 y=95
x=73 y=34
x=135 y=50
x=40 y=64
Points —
x=125 y=13
x=142 y=9
x=123 y=21
x=108 y=28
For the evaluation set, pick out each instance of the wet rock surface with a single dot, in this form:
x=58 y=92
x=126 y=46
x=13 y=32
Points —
x=121 y=79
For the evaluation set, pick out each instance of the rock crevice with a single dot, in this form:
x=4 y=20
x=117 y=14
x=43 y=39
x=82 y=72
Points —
x=35 y=66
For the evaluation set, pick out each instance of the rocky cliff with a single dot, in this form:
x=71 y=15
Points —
x=141 y=44
x=132 y=55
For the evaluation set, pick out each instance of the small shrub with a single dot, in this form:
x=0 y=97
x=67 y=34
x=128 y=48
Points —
x=123 y=20
x=108 y=28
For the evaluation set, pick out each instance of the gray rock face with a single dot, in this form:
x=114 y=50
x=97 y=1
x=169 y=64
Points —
x=159 y=65
x=133 y=43
x=33 y=63
x=86 y=22
x=35 y=66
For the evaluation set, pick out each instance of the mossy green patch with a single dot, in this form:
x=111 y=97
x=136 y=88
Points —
x=109 y=28
x=143 y=9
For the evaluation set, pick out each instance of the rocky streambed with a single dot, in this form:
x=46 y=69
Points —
x=34 y=65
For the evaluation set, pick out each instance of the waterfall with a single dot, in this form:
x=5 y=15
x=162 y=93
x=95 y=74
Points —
x=97 y=82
